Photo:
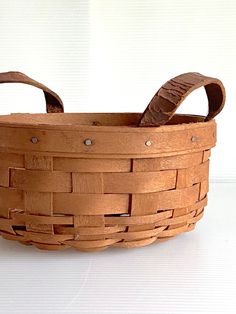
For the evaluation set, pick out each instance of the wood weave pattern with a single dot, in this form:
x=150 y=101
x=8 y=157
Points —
x=91 y=204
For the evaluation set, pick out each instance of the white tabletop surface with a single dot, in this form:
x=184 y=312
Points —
x=192 y=273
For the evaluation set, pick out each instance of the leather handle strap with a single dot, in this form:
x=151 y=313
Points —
x=170 y=96
x=53 y=101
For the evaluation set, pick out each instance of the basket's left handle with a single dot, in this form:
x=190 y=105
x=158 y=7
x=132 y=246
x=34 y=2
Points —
x=53 y=101
x=169 y=97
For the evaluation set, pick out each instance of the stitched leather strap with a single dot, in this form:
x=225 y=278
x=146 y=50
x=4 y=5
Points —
x=53 y=101
x=169 y=97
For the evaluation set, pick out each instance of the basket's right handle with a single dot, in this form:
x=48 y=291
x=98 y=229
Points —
x=169 y=97
x=53 y=101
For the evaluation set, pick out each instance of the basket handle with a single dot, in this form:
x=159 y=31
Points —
x=53 y=101
x=168 y=98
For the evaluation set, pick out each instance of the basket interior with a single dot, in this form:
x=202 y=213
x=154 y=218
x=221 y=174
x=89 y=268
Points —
x=94 y=119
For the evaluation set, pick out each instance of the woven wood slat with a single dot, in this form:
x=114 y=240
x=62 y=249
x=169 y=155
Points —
x=206 y=155
x=50 y=247
x=44 y=238
x=124 y=182
x=11 y=160
x=90 y=204
x=151 y=202
x=42 y=181
x=175 y=231
x=10 y=198
x=91 y=165
x=189 y=176
x=136 y=243
x=20 y=218
x=4 y=177
x=6 y=225
x=92 y=244
x=167 y=163
x=204 y=188
x=35 y=201
x=82 y=232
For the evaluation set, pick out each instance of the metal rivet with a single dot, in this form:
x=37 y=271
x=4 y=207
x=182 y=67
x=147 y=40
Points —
x=148 y=143
x=194 y=138
x=34 y=140
x=88 y=142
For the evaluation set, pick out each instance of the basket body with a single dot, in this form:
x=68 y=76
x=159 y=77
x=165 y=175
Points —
x=101 y=182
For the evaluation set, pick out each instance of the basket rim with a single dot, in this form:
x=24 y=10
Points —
x=196 y=121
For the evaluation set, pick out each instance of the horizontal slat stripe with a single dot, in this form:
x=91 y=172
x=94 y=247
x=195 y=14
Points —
x=166 y=163
x=172 y=199
x=90 y=204
x=131 y=182
x=91 y=165
x=40 y=181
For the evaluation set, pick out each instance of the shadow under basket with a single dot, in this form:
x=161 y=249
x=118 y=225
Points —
x=92 y=181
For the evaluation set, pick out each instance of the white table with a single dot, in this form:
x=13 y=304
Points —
x=193 y=273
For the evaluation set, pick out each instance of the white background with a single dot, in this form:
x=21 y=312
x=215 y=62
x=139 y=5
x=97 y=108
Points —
x=112 y=56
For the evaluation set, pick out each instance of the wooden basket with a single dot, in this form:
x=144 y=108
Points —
x=93 y=180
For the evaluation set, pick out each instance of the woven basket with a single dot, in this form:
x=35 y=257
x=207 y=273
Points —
x=92 y=180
